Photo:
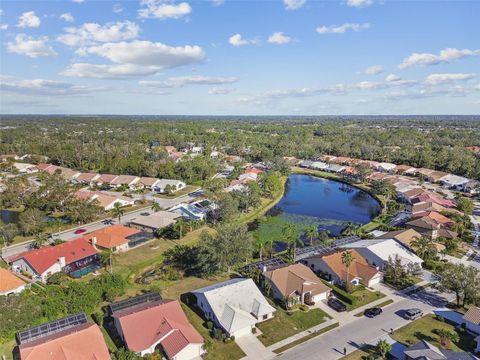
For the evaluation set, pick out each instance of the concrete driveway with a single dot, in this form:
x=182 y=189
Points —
x=253 y=348
x=363 y=331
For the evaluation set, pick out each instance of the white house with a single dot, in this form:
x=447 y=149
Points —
x=175 y=185
x=234 y=305
x=334 y=168
x=454 y=181
x=10 y=284
x=377 y=252
x=319 y=165
x=386 y=167
x=24 y=168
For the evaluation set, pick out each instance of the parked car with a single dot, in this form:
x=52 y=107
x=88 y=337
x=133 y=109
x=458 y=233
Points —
x=108 y=222
x=412 y=314
x=145 y=213
x=79 y=231
x=372 y=312
x=337 y=304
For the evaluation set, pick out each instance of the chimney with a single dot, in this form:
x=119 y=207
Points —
x=264 y=268
x=61 y=261
x=94 y=241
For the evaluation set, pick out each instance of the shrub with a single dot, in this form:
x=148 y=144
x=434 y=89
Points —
x=209 y=325
x=254 y=330
x=304 y=307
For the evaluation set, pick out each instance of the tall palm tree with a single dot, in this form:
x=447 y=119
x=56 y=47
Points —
x=118 y=211
x=424 y=247
x=312 y=233
x=347 y=259
x=260 y=244
x=156 y=206
x=290 y=237
x=40 y=240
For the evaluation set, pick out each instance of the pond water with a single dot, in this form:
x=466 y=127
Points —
x=331 y=205
x=9 y=216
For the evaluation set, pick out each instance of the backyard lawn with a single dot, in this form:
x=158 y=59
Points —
x=283 y=325
x=423 y=329
x=187 y=189
x=219 y=350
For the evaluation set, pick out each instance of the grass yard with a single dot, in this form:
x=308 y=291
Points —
x=364 y=297
x=173 y=290
x=305 y=338
x=412 y=280
x=283 y=325
x=6 y=349
x=360 y=354
x=219 y=350
x=423 y=329
x=187 y=189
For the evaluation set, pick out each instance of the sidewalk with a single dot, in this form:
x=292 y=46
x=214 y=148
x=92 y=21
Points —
x=253 y=348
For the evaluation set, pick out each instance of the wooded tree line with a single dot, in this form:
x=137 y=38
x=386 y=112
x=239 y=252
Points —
x=134 y=146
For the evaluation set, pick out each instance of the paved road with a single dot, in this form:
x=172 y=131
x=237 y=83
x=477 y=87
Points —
x=364 y=330
x=70 y=234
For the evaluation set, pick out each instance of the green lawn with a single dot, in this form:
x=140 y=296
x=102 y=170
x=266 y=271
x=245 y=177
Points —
x=187 y=189
x=423 y=329
x=364 y=297
x=6 y=349
x=305 y=338
x=412 y=280
x=283 y=325
x=360 y=354
x=219 y=350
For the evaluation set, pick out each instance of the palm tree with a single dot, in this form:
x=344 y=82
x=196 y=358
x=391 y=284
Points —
x=347 y=259
x=106 y=259
x=383 y=348
x=290 y=237
x=312 y=233
x=118 y=211
x=155 y=206
x=424 y=247
x=40 y=240
x=260 y=244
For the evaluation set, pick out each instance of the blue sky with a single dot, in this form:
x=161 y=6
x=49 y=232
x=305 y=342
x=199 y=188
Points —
x=277 y=57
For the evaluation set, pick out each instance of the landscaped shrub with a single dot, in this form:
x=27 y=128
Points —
x=343 y=295
x=209 y=325
x=254 y=330
x=304 y=307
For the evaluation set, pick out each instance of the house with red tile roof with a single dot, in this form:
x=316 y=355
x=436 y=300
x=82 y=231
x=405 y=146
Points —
x=331 y=265
x=9 y=283
x=159 y=324
x=114 y=238
x=104 y=179
x=81 y=341
x=76 y=257
x=107 y=202
x=431 y=197
x=439 y=218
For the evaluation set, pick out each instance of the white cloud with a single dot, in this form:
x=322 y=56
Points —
x=29 y=46
x=237 y=40
x=369 y=85
x=219 y=91
x=163 y=9
x=217 y=2
x=137 y=58
x=392 y=78
x=436 y=79
x=28 y=19
x=91 y=33
x=117 y=8
x=3 y=26
x=294 y=4
x=341 y=29
x=43 y=87
x=180 y=81
x=359 y=3
x=279 y=38
x=68 y=17
x=374 y=70
x=445 y=56
x=78 y=1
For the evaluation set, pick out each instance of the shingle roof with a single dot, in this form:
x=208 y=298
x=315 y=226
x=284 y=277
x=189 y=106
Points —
x=8 y=281
x=112 y=236
x=405 y=236
x=296 y=278
x=156 y=220
x=124 y=180
x=163 y=320
x=473 y=315
x=84 y=342
x=43 y=258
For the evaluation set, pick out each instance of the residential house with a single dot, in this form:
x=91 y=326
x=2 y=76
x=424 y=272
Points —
x=375 y=176
x=296 y=284
x=405 y=169
x=377 y=252
x=125 y=180
x=86 y=178
x=332 y=267
x=155 y=221
x=114 y=238
x=423 y=350
x=194 y=211
x=48 y=168
x=343 y=160
x=454 y=181
x=164 y=184
x=318 y=165
x=10 y=284
x=369 y=163
x=471 y=187
x=386 y=167
x=333 y=168
x=436 y=176
x=427 y=196
x=404 y=236
x=24 y=168
x=439 y=218
x=69 y=174
x=424 y=172
x=170 y=149
x=76 y=258
x=471 y=319
x=246 y=177
x=234 y=305
x=429 y=206
x=72 y=337
x=107 y=202
x=409 y=194
x=104 y=179
x=305 y=163
x=430 y=228
x=145 y=326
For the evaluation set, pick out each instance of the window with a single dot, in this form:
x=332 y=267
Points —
x=265 y=317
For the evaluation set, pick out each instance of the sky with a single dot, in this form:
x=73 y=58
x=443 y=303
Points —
x=240 y=57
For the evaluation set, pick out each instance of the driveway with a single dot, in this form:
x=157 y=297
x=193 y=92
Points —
x=253 y=348
x=363 y=331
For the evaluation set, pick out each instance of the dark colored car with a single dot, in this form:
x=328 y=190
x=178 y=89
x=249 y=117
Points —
x=144 y=213
x=372 y=312
x=337 y=305
x=79 y=231
x=108 y=222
